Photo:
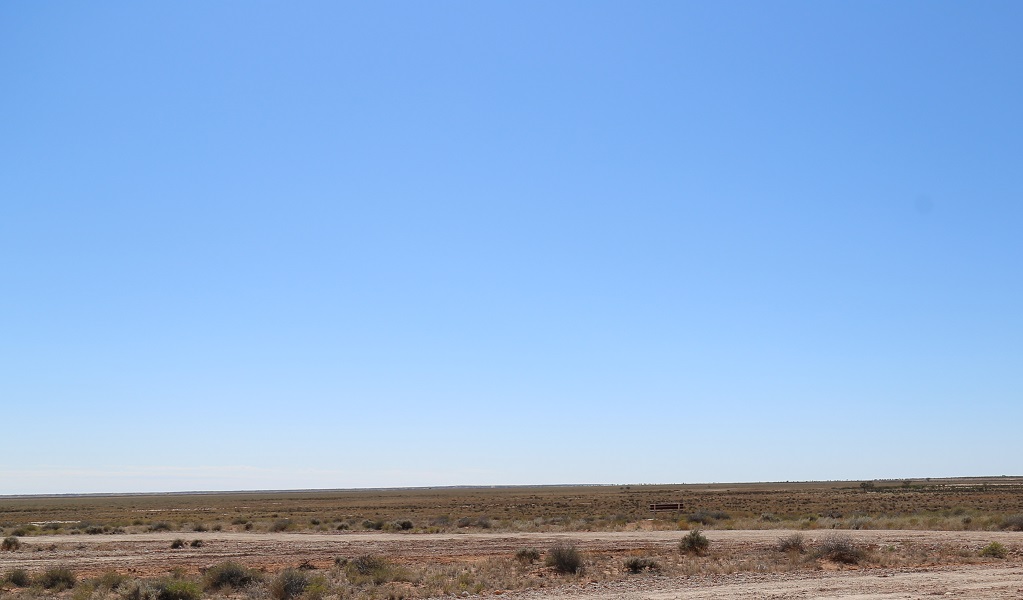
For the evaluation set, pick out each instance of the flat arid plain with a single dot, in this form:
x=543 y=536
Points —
x=915 y=538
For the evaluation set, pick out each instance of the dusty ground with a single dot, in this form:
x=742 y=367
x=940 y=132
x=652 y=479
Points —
x=150 y=555
x=980 y=582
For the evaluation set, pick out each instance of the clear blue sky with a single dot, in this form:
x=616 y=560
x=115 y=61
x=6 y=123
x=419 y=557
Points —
x=323 y=244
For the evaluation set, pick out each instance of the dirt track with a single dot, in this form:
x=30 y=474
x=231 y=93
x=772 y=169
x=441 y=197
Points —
x=972 y=582
x=150 y=554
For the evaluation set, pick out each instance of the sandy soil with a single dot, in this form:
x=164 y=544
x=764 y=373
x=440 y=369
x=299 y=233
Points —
x=972 y=582
x=150 y=554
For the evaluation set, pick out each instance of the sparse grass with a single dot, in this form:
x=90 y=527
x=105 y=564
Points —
x=640 y=564
x=707 y=517
x=369 y=569
x=840 y=548
x=994 y=550
x=1013 y=523
x=10 y=543
x=228 y=575
x=25 y=530
x=564 y=558
x=694 y=543
x=137 y=589
x=989 y=503
x=288 y=584
x=57 y=579
x=111 y=580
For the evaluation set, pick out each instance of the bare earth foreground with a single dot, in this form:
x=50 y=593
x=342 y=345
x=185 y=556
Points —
x=149 y=554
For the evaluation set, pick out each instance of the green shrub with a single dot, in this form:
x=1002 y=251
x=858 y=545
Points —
x=290 y=583
x=994 y=550
x=25 y=530
x=196 y=544
x=10 y=543
x=178 y=543
x=404 y=525
x=793 y=543
x=228 y=574
x=200 y=527
x=694 y=543
x=840 y=548
x=281 y=525
x=178 y=589
x=371 y=524
x=57 y=579
x=564 y=558
x=637 y=565
x=160 y=526
x=527 y=556
x=17 y=578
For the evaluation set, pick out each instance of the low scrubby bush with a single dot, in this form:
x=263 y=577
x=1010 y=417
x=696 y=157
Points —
x=792 y=543
x=994 y=550
x=564 y=558
x=840 y=548
x=638 y=565
x=10 y=543
x=281 y=525
x=57 y=579
x=160 y=526
x=178 y=543
x=178 y=589
x=18 y=578
x=694 y=543
x=290 y=583
x=196 y=544
x=111 y=580
x=228 y=575
x=527 y=556
x=139 y=590
x=1013 y=523
x=372 y=569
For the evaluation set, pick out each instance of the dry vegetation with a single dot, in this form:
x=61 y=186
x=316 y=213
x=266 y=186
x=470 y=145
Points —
x=819 y=510
x=971 y=504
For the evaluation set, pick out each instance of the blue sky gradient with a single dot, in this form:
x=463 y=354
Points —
x=277 y=245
